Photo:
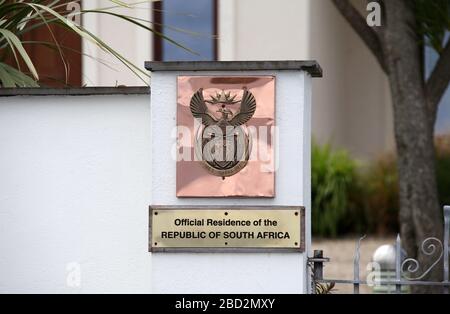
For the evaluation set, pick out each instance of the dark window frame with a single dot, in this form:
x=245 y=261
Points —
x=158 y=21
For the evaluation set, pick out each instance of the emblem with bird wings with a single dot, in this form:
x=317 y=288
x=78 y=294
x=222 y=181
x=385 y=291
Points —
x=200 y=111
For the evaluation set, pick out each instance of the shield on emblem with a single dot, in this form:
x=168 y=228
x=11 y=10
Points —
x=223 y=143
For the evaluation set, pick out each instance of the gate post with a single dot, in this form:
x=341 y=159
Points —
x=317 y=269
x=446 y=246
x=274 y=192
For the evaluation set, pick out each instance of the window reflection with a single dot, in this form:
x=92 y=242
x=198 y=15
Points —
x=197 y=21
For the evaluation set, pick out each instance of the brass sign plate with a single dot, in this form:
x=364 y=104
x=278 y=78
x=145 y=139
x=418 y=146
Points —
x=206 y=229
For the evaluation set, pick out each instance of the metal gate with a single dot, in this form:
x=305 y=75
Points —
x=406 y=270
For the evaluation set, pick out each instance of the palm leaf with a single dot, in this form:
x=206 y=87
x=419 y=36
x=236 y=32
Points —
x=53 y=46
x=16 y=44
x=83 y=33
x=135 y=21
x=120 y=3
x=20 y=17
x=10 y=77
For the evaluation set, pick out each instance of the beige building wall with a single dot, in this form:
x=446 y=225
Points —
x=263 y=29
x=351 y=103
x=132 y=42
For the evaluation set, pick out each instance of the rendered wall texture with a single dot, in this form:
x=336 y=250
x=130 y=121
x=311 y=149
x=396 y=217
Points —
x=74 y=192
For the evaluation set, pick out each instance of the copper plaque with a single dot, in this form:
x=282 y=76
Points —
x=225 y=136
x=247 y=229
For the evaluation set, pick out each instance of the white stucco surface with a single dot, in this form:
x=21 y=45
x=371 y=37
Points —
x=74 y=194
x=77 y=175
x=235 y=273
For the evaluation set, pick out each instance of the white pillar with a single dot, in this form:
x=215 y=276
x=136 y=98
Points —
x=236 y=272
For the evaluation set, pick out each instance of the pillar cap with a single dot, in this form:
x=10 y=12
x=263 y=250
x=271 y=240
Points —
x=312 y=67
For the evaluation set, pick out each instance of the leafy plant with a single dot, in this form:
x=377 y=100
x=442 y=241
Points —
x=382 y=188
x=18 y=17
x=381 y=195
x=334 y=179
x=350 y=199
x=433 y=21
x=442 y=144
x=325 y=288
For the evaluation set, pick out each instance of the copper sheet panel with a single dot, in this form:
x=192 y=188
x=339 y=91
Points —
x=226 y=228
x=257 y=178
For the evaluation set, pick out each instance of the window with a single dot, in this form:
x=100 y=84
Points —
x=191 y=23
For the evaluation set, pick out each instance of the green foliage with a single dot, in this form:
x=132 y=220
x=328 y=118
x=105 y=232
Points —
x=351 y=199
x=334 y=178
x=443 y=168
x=11 y=77
x=18 y=17
x=381 y=198
x=433 y=20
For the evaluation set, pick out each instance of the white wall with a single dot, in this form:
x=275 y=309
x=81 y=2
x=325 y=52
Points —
x=76 y=182
x=264 y=30
x=74 y=188
x=236 y=273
